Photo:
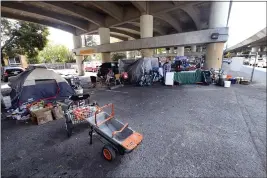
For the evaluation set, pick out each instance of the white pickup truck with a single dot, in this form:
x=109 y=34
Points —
x=261 y=62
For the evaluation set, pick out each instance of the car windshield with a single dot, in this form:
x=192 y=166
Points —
x=114 y=64
x=14 y=71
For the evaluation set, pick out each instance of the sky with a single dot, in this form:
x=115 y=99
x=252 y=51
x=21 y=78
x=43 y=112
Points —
x=246 y=19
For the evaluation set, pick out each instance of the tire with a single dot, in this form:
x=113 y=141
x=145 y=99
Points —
x=69 y=128
x=5 y=79
x=108 y=153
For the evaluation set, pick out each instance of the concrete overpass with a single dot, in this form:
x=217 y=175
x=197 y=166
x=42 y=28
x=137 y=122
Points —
x=141 y=25
x=255 y=43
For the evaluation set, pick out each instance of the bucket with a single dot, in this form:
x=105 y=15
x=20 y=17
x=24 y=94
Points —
x=227 y=84
x=233 y=80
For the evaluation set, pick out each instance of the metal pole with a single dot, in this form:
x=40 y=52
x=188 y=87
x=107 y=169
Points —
x=252 y=73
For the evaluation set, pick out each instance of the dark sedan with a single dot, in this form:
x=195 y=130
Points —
x=7 y=72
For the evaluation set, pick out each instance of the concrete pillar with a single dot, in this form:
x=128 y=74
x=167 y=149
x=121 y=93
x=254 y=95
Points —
x=146 y=31
x=218 y=18
x=200 y=49
x=104 y=34
x=180 y=51
x=130 y=54
x=254 y=49
x=171 y=50
x=193 y=48
x=167 y=50
x=77 y=43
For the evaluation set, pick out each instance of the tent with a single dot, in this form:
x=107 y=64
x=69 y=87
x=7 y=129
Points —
x=38 y=84
x=137 y=68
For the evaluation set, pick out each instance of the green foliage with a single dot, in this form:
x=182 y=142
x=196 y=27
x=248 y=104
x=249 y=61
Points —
x=117 y=56
x=55 y=53
x=228 y=55
x=160 y=50
x=246 y=52
x=22 y=38
x=90 y=41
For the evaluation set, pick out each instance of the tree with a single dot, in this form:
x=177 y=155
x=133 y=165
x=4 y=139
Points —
x=90 y=40
x=55 y=53
x=116 y=56
x=22 y=38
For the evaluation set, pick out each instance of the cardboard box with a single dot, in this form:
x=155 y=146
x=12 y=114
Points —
x=42 y=116
x=57 y=112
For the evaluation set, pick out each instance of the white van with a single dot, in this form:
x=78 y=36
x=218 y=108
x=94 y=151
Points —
x=261 y=62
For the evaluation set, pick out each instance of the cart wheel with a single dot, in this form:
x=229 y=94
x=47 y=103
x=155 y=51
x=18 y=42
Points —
x=69 y=127
x=95 y=103
x=108 y=153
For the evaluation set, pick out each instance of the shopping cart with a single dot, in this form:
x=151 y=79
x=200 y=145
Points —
x=76 y=109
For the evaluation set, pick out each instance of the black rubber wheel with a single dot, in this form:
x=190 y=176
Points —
x=5 y=79
x=108 y=153
x=69 y=128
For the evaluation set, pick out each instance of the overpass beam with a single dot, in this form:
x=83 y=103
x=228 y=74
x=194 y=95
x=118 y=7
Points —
x=218 y=18
x=146 y=31
x=77 y=43
x=180 y=51
x=104 y=34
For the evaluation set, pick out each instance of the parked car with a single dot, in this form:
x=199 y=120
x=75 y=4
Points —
x=246 y=61
x=9 y=71
x=91 y=66
x=225 y=60
x=252 y=61
x=104 y=68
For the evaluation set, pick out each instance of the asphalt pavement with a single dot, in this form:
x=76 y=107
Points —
x=204 y=131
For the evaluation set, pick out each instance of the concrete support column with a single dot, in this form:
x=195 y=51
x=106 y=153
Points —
x=167 y=50
x=130 y=54
x=104 y=34
x=200 y=49
x=171 y=50
x=193 y=48
x=146 y=31
x=77 y=43
x=255 y=49
x=180 y=51
x=218 y=18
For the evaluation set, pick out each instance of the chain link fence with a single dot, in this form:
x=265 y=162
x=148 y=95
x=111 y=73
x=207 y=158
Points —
x=60 y=65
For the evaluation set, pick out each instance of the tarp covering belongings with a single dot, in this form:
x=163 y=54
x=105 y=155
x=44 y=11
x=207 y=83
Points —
x=188 y=77
x=138 y=68
x=38 y=84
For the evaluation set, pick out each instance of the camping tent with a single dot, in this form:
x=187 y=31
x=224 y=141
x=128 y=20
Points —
x=137 y=68
x=38 y=84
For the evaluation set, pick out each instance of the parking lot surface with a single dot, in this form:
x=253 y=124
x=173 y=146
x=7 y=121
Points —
x=188 y=131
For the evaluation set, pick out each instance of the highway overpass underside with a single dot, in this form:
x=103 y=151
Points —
x=141 y=25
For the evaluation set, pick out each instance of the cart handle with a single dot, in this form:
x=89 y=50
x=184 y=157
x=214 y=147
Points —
x=100 y=109
x=115 y=132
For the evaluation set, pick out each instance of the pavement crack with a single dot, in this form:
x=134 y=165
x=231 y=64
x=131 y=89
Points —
x=249 y=129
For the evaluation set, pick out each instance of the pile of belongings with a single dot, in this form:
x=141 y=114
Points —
x=143 y=71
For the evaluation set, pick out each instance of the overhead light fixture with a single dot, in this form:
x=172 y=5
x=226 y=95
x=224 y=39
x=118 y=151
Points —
x=214 y=36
